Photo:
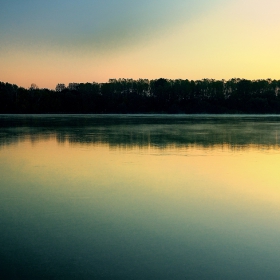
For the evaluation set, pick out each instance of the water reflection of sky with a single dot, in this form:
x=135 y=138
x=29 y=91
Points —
x=118 y=209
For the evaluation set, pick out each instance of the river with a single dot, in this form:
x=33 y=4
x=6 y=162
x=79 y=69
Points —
x=139 y=197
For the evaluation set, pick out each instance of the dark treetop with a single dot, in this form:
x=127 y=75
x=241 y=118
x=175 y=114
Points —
x=144 y=96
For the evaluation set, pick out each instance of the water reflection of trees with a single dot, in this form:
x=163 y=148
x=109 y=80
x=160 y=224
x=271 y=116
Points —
x=143 y=131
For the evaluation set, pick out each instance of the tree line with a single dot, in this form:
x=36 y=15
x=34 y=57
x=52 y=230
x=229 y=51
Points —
x=146 y=96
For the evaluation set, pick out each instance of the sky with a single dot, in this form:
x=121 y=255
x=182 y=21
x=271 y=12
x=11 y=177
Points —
x=64 y=41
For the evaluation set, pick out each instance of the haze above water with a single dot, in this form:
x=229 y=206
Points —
x=139 y=197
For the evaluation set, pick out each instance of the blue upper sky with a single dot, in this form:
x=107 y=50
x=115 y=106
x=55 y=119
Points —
x=54 y=41
x=92 y=23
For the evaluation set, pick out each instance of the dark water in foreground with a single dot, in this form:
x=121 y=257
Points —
x=139 y=197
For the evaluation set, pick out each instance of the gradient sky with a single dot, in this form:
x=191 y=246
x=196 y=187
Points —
x=62 y=41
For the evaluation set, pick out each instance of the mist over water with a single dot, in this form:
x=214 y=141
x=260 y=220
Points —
x=139 y=197
x=144 y=130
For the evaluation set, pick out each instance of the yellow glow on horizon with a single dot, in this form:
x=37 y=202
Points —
x=229 y=42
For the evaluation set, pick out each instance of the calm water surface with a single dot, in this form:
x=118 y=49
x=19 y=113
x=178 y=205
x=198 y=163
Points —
x=139 y=197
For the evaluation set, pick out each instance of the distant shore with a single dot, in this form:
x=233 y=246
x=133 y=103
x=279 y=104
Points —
x=160 y=96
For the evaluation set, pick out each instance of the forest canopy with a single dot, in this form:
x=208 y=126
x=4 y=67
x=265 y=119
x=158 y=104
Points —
x=146 y=96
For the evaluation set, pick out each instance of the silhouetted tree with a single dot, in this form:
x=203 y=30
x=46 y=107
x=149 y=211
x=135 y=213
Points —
x=144 y=96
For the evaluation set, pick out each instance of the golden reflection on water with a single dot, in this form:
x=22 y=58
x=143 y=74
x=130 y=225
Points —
x=214 y=199
x=245 y=174
x=183 y=196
